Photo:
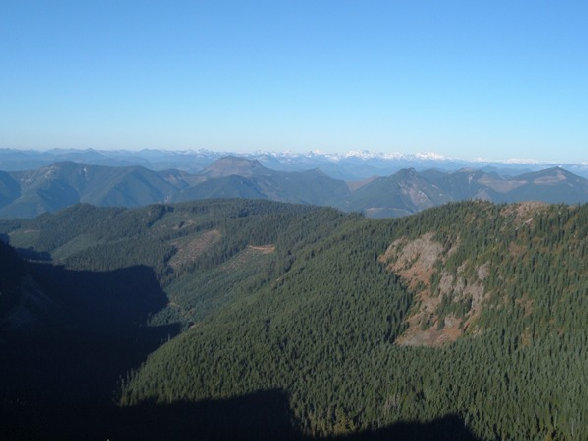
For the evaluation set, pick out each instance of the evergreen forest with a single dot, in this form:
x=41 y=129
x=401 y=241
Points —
x=250 y=319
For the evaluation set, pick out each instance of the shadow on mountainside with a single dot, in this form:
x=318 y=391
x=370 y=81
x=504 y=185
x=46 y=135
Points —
x=89 y=333
x=447 y=428
x=262 y=415
x=31 y=254
x=58 y=377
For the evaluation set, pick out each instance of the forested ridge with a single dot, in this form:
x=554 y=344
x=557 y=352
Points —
x=470 y=309
x=409 y=190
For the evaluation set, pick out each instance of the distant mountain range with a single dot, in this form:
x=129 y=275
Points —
x=408 y=191
x=49 y=188
x=350 y=166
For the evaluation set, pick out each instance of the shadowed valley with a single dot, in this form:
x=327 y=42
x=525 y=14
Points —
x=254 y=319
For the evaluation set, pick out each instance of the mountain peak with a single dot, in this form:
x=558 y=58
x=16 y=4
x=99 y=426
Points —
x=407 y=173
x=232 y=165
x=552 y=175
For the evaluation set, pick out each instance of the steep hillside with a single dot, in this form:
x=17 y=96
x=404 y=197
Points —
x=226 y=187
x=398 y=195
x=120 y=282
x=9 y=189
x=51 y=188
x=26 y=194
x=469 y=183
x=237 y=177
x=469 y=309
x=201 y=249
x=460 y=316
x=408 y=191
x=553 y=185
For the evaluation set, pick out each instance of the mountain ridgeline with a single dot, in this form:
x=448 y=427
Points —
x=349 y=166
x=26 y=194
x=229 y=319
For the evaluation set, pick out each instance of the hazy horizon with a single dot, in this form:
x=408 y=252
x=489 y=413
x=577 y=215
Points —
x=363 y=154
x=464 y=80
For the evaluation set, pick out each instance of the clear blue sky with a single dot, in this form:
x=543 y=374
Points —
x=468 y=79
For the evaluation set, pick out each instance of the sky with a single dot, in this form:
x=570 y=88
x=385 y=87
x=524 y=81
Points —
x=464 y=79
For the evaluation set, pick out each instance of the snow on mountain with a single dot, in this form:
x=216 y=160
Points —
x=351 y=165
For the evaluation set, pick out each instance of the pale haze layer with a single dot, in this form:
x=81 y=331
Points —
x=468 y=80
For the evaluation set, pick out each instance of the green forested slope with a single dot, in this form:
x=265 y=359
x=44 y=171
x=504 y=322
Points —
x=469 y=309
x=200 y=252
x=325 y=332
